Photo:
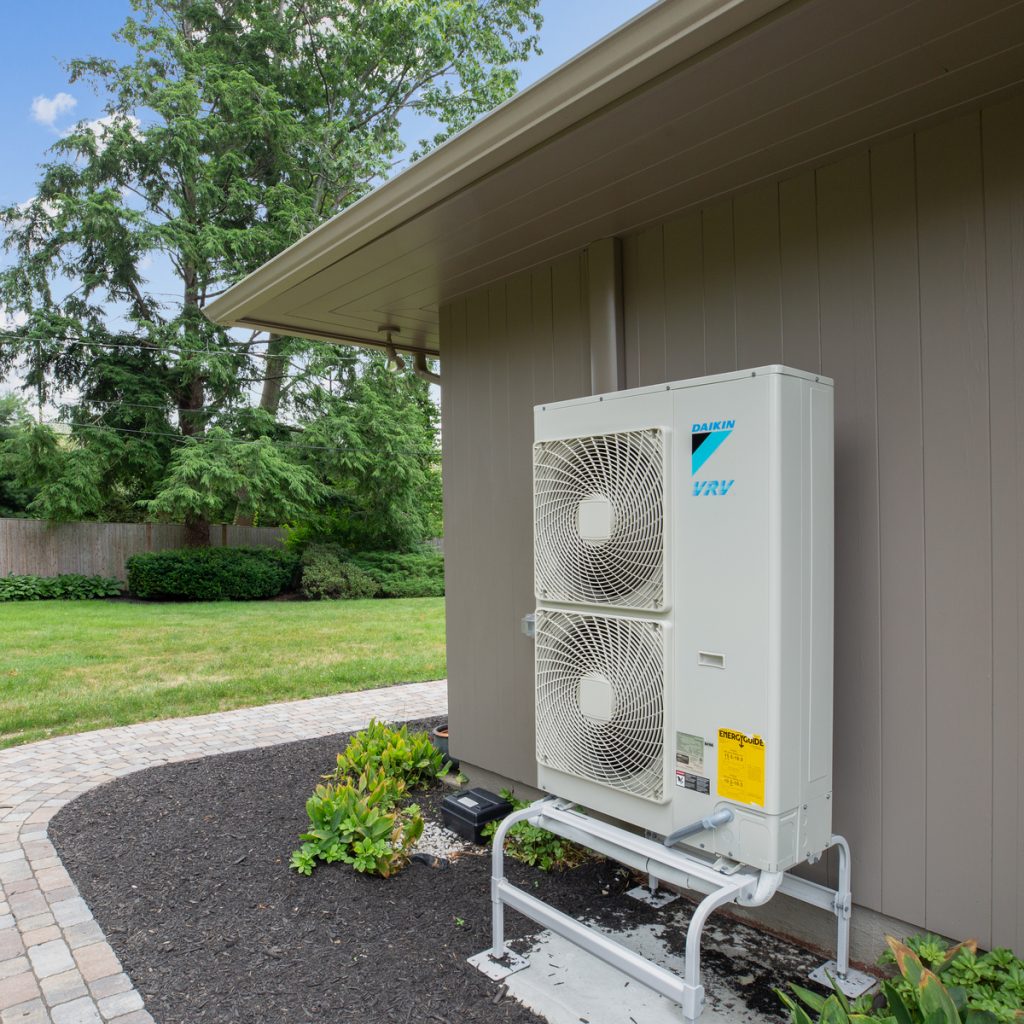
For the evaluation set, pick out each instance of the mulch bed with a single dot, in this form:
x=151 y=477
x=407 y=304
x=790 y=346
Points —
x=186 y=870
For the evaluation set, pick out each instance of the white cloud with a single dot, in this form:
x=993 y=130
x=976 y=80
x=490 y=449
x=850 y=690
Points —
x=46 y=111
x=102 y=125
x=11 y=321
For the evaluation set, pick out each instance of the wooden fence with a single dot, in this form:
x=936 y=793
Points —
x=34 y=547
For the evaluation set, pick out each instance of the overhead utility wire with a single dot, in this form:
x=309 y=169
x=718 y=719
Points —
x=159 y=349
x=239 y=440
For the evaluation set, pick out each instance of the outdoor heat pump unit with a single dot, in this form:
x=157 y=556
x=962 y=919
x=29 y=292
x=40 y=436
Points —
x=683 y=561
x=683 y=623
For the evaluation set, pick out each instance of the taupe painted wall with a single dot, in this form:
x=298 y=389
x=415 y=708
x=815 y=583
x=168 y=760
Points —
x=900 y=273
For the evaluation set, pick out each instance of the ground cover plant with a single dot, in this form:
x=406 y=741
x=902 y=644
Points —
x=211 y=925
x=333 y=571
x=359 y=817
x=537 y=846
x=328 y=574
x=71 y=667
x=66 y=587
x=934 y=984
x=405 y=574
x=211 y=574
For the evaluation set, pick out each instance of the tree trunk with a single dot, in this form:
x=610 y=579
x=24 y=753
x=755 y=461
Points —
x=273 y=380
x=190 y=419
x=197 y=532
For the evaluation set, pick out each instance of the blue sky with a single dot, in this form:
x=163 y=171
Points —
x=38 y=36
x=37 y=103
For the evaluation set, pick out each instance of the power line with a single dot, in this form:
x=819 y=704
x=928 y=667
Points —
x=155 y=349
x=239 y=440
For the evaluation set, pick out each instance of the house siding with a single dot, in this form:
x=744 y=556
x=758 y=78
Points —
x=899 y=271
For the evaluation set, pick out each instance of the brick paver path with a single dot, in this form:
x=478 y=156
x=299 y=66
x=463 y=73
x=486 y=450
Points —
x=55 y=964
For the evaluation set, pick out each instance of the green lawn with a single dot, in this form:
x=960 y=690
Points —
x=68 y=666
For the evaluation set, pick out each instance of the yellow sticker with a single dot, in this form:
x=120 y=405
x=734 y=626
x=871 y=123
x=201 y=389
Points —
x=740 y=767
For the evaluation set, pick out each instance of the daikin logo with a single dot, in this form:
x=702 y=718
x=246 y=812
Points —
x=706 y=439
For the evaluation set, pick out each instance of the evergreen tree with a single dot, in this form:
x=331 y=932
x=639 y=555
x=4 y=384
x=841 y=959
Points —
x=234 y=128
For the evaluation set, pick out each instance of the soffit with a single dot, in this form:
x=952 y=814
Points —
x=798 y=86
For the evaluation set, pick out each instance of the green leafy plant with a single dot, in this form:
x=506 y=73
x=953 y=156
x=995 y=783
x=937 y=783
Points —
x=356 y=821
x=537 y=846
x=380 y=749
x=211 y=574
x=67 y=587
x=991 y=982
x=405 y=574
x=326 y=575
x=919 y=994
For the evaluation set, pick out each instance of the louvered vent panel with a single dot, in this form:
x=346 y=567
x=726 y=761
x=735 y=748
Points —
x=601 y=700
x=599 y=520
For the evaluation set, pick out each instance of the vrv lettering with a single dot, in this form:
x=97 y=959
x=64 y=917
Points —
x=712 y=488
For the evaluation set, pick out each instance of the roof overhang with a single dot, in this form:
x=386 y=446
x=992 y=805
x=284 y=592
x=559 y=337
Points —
x=691 y=100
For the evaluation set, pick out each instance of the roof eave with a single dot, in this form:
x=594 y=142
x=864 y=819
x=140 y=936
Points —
x=655 y=41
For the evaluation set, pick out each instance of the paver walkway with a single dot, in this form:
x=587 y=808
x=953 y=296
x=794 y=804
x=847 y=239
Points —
x=55 y=964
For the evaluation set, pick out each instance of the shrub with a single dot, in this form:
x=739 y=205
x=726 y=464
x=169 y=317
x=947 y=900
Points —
x=355 y=821
x=379 y=749
x=326 y=576
x=405 y=574
x=537 y=846
x=67 y=587
x=211 y=574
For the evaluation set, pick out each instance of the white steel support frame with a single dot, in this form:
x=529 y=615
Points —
x=723 y=884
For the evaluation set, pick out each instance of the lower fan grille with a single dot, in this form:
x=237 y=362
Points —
x=601 y=700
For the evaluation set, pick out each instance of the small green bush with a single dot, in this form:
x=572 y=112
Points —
x=355 y=817
x=392 y=753
x=356 y=821
x=67 y=587
x=405 y=574
x=537 y=846
x=211 y=574
x=326 y=576
x=934 y=985
x=991 y=982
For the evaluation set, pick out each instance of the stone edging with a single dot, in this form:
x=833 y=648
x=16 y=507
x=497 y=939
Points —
x=56 y=966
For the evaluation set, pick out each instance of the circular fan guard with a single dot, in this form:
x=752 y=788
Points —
x=626 y=470
x=626 y=753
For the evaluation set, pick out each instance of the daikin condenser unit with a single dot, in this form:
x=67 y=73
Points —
x=683 y=545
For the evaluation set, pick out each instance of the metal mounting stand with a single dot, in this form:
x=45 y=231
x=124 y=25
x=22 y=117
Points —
x=723 y=883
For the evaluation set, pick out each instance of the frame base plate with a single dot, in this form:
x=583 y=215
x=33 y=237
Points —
x=856 y=983
x=653 y=897
x=498 y=970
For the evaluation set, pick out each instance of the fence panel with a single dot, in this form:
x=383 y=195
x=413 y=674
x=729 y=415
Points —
x=35 y=547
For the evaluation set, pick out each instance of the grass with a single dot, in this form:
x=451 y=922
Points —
x=68 y=666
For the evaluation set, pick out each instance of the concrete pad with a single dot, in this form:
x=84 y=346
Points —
x=563 y=984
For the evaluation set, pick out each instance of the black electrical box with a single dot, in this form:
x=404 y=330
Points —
x=467 y=811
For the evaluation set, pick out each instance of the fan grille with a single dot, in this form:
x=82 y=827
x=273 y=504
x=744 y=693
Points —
x=620 y=743
x=621 y=561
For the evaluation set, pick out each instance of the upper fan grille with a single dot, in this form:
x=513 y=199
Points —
x=616 y=738
x=599 y=519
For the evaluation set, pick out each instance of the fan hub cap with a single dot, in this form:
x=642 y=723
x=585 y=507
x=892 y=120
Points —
x=596 y=697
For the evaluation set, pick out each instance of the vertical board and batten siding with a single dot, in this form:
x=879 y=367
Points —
x=506 y=349
x=36 y=548
x=898 y=271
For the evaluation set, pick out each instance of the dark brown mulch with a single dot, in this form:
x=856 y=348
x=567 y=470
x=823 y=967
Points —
x=186 y=870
